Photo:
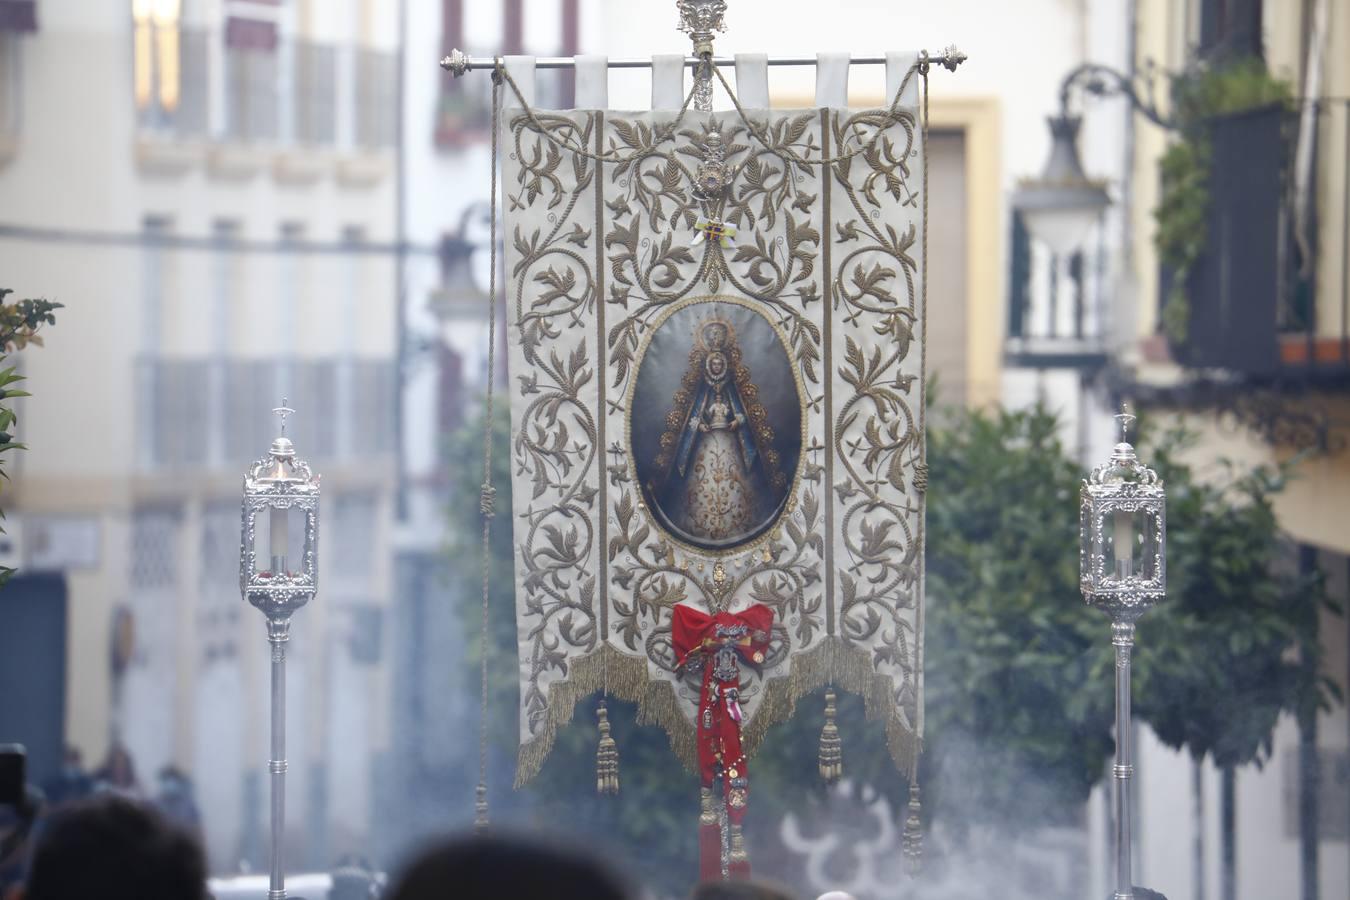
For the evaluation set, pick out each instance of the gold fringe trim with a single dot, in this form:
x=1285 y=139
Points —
x=831 y=662
x=834 y=662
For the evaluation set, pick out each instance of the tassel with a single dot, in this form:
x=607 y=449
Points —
x=606 y=756
x=480 y=809
x=913 y=840
x=738 y=861
x=709 y=838
x=831 y=751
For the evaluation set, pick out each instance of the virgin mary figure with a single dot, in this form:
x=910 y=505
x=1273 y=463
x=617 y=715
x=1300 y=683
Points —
x=718 y=471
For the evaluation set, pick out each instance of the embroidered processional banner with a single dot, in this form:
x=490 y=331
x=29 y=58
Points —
x=717 y=400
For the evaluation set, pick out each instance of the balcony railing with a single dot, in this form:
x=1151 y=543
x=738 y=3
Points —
x=1254 y=306
x=1054 y=307
x=277 y=93
x=213 y=413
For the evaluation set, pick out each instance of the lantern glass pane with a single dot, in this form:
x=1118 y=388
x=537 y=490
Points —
x=1128 y=544
x=279 y=539
x=1087 y=545
x=1148 y=545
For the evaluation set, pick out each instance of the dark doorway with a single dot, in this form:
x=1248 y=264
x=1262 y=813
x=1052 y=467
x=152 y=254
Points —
x=33 y=670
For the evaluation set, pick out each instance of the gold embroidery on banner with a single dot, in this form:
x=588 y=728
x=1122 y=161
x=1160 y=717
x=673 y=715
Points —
x=643 y=238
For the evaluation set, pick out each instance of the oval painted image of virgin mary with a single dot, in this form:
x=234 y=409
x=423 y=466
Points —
x=715 y=424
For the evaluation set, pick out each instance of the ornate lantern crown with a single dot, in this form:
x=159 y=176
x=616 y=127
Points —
x=284 y=487
x=1123 y=533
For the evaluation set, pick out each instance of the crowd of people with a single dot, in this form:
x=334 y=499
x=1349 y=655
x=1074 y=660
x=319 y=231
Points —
x=30 y=825
x=101 y=838
x=110 y=846
x=101 y=835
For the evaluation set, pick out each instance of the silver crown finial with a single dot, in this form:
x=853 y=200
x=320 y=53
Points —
x=281 y=412
x=700 y=19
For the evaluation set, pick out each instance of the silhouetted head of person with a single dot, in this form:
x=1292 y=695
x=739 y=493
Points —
x=489 y=867
x=113 y=848
x=740 y=890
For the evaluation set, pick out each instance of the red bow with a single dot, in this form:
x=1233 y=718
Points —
x=721 y=642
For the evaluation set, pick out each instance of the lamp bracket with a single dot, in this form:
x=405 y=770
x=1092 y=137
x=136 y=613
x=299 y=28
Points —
x=1103 y=81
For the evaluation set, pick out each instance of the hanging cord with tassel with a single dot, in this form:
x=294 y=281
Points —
x=606 y=756
x=488 y=499
x=831 y=750
x=607 y=752
x=913 y=835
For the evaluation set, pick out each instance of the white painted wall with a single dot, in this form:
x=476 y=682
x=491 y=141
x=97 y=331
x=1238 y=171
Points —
x=75 y=172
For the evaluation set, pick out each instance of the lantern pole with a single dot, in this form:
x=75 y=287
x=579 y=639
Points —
x=277 y=484
x=1123 y=501
x=1122 y=638
x=278 y=634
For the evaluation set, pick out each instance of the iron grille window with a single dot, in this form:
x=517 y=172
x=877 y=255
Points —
x=353 y=520
x=376 y=84
x=179 y=411
x=250 y=394
x=372 y=407
x=154 y=556
x=315 y=93
x=251 y=93
x=314 y=393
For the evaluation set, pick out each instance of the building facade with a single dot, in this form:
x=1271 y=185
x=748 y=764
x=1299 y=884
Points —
x=1263 y=376
x=209 y=188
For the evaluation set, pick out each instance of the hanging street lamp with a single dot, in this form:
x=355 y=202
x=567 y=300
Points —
x=1123 y=572
x=1063 y=203
x=1061 y=206
x=280 y=514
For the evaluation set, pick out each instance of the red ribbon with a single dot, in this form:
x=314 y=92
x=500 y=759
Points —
x=722 y=642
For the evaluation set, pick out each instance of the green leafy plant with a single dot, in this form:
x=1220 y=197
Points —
x=1018 y=671
x=20 y=321
x=1199 y=95
x=1235 y=645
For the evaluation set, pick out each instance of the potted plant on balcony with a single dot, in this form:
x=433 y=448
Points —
x=1202 y=95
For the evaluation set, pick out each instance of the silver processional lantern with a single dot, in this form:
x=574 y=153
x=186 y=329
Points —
x=1123 y=572
x=278 y=573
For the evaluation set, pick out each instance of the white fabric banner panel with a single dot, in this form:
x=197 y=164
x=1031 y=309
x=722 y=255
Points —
x=717 y=400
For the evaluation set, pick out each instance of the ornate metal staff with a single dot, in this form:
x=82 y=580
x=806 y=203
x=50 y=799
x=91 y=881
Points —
x=701 y=20
x=286 y=489
x=1123 y=572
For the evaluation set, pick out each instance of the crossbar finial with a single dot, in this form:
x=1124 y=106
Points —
x=1125 y=420
x=282 y=412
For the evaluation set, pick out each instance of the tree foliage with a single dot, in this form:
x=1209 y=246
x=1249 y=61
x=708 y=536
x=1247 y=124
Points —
x=1019 y=672
x=1235 y=644
x=1019 y=698
x=20 y=321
